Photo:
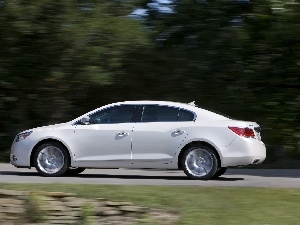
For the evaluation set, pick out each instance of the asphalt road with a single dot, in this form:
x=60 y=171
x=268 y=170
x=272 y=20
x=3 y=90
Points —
x=284 y=178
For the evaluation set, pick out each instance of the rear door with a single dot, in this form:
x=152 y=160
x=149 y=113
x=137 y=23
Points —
x=159 y=133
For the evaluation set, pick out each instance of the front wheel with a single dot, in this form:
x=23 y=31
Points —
x=51 y=159
x=74 y=171
x=200 y=162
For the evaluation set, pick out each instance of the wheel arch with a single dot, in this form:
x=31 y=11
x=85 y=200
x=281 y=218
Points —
x=193 y=143
x=43 y=141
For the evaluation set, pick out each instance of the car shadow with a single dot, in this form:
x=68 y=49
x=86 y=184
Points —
x=227 y=179
x=237 y=173
x=117 y=176
x=147 y=177
x=284 y=173
x=23 y=174
x=130 y=177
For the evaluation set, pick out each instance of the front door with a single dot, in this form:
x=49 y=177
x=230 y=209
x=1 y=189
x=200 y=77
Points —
x=106 y=140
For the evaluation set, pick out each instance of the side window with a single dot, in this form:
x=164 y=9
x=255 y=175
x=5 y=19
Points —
x=116 y=114
x=185 y=115
x=155 y=113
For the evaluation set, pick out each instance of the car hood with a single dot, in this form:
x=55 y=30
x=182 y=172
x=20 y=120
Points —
x=49 y=127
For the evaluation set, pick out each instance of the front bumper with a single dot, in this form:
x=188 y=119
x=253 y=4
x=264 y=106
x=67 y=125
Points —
x=20 y=153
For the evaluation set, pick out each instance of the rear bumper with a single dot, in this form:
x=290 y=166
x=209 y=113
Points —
x=242 y=152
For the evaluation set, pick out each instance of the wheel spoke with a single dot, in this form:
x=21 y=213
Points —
x=206 y=168
x=51 y=151
x=193 y=156
x=200 y=153
x=205 y=155
x=198 y=169
x=47 y=151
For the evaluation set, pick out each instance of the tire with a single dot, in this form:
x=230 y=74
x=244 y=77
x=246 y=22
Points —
x=74 y=171
x=51 y=159
x=220 y=172
x=200 y=162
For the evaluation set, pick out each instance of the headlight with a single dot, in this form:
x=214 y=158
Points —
x=22 y=136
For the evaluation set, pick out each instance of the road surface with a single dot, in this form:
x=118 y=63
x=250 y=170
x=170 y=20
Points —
x=283 y=178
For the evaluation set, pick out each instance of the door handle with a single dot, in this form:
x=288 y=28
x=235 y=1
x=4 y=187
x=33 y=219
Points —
x=122 y=134
x=177 y=132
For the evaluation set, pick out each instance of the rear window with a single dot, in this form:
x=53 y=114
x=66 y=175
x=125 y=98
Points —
x=157 y=113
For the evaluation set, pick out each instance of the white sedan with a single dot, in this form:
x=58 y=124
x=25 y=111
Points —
x=141 y=134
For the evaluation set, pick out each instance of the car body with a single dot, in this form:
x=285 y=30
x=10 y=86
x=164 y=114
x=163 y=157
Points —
x=142 y=134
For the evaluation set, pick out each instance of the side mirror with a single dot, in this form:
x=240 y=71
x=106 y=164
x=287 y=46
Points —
x=85 y=120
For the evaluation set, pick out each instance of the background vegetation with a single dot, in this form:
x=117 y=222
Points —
x=61 y=58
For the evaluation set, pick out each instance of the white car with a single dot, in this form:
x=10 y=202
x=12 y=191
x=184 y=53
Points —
x=141 y=134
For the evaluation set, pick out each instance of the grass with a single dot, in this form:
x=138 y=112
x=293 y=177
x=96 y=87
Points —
x=196 y=205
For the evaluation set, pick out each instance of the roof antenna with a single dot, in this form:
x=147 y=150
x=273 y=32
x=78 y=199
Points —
x=192 y=103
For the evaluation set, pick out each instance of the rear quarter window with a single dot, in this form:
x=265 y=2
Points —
x=185 y=115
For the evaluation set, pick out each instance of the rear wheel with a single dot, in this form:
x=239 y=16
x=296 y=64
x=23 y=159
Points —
x=200 y=162
x=51 y=159
x=220 y=172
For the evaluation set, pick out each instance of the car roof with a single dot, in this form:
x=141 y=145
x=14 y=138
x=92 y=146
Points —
x=167 y=103
x=202 y=114
x=150 y=102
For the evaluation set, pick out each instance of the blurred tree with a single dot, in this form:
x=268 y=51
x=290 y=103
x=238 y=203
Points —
x=198 y=52
x=52 y=51
x=270 y=51
x=59 y=59
x=237 y=57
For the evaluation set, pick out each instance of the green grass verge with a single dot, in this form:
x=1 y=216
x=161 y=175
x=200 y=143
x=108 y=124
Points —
x=196 y=205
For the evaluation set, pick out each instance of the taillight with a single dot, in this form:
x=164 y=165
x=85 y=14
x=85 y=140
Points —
x=244 y=132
